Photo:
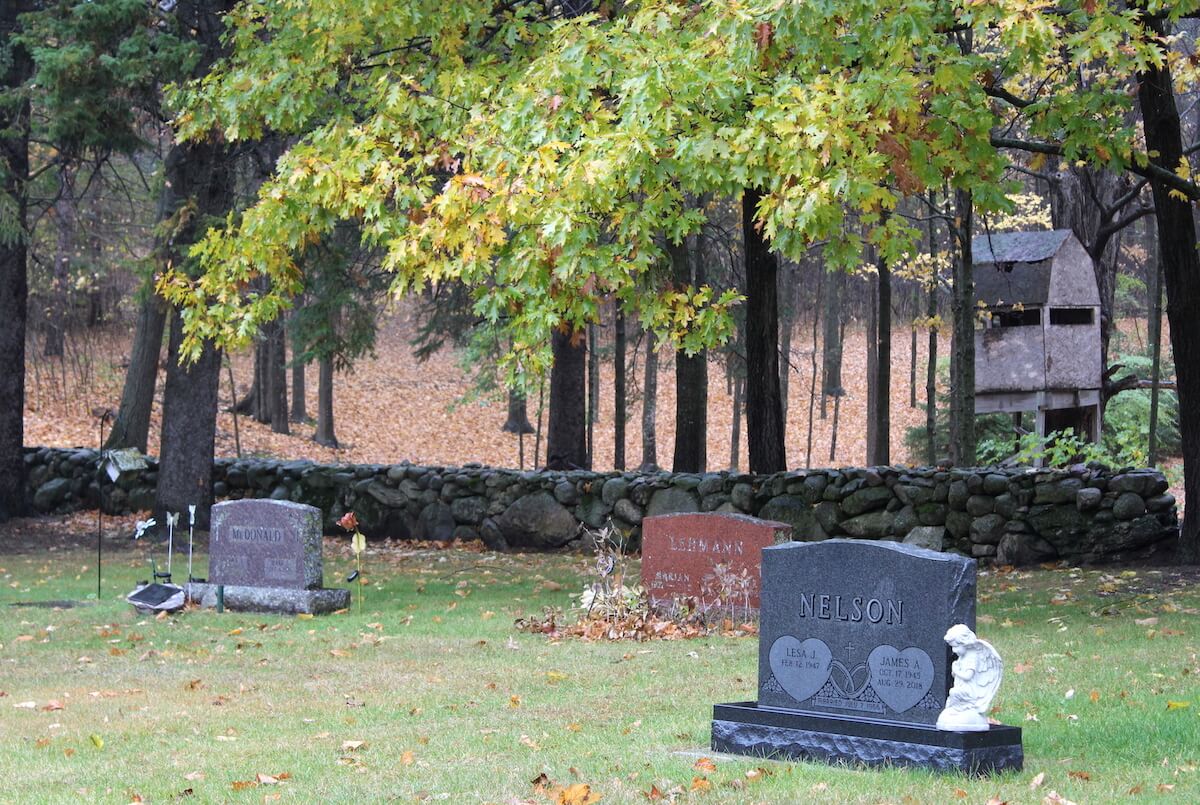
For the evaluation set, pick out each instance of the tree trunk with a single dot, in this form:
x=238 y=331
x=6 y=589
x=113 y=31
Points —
x=872 y=341
x=188 y=431
x=1181 y=277
x=324 y=434
x=619 y=389
x=299 y=404
x=912 y=351
x=735 y=436
x=812 y=368
x=691 y=385
x=278 y=368
x=831 y=340
x=764 y=409
x=262 y=377
x=931 y=378
x=58 y=306
x=593 y=392
x=14 y=292
x=1155 y=327
x=882 y=454
x=650 y=407
x=518 y=416
x=132 y=425
x=962 y=358
x=566 y=430
x=788 y=279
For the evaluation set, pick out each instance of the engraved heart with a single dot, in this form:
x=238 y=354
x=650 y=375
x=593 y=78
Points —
x=900 y=678
x=800 y=667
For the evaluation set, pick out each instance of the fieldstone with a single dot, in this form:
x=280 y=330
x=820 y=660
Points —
x=872 y=525
x=566 y=493
x=905 y=520
x=981 y=551
x=672 y=500
x=814 y=487
x=794 y=511
x=995 y=484
x=828 y=516
x=931 y=513
x=958 y=524
x=1062 y=491
x=957 y=496
x=51 y=493
x=614 y=489
x=867 y=498
x=470 y=510
x=1146 y=483
x=987 y=530
x=1024 y=549
x=1088 y=499
x=628 y=511
x=1128 y=506
x=930 y=537
x=492 y=536
x=742 y=496
x=913 y=495
x=1160 y=503
x=979 y=505
x=537 y=520
x=1006 y=506
x=592 y=511
x=436 y=522
x=465 y=533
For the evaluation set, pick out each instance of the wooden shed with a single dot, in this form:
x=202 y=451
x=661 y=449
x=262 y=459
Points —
x=1038 y=346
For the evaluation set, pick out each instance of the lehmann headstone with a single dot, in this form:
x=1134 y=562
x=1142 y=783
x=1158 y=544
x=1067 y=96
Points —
x=710 y=558
x=853 y=665
x=266 y=554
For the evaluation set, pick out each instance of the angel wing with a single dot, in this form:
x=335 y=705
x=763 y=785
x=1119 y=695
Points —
x=989 y=670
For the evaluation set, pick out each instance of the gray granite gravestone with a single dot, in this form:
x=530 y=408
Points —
x=266 y=554
x=853 y=665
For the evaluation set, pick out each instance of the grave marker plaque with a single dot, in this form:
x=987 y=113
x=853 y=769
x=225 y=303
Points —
x=706 y=557
x=853 y=664
x=265 y=543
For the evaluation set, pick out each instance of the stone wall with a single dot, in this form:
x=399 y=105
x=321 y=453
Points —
x=1016 y=516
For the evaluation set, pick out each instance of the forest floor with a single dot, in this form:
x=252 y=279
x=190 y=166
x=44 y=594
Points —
x=392 y=408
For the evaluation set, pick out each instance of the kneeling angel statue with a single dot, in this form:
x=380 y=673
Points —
x=977 y=672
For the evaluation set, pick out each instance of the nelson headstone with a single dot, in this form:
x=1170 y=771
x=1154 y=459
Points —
x=853 y=665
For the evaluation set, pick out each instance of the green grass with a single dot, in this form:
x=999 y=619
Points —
x=454 y=705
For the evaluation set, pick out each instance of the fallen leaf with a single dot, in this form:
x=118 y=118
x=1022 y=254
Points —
x=1146 y=621
x=514 y=701
x=242 y=785
x=1055 y=798
x=353 y=746
x=97 y=741
x=193 y=776
x=705 y=764
x=26 y=705
x=577 y=794
x=554 y=677
x=407 y=757
x=1165 y=788
x=1079 y=775
x=701 y=784
x=1178 y=705
x=960 y=793
x=337 y=652
x=1094 y=696
x=1022 y=667
x=53 y=704
x=654 y=795
x=195 y=684
x=266 y=779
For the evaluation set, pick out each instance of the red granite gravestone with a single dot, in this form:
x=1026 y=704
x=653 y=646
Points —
x=713 y=559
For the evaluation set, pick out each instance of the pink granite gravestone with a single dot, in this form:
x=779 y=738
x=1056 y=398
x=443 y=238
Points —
x=712 y=559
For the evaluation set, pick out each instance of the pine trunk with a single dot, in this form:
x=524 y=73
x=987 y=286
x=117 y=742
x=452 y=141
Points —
x=324 y=434
x=882 y=454
x=962 y=358
x=1181 y=277
x=14 y=292
x=650 y=407
x=132 y=425
x=831 y=340
x=1155 y=327
x=566 y=430
x=691 y=385
x=764 y=407
x=619 y=390
x=518 y=416
x=278 y=368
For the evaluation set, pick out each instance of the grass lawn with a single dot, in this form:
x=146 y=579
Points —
x=431 y=695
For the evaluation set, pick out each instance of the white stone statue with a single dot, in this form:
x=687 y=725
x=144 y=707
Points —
x=977 y=673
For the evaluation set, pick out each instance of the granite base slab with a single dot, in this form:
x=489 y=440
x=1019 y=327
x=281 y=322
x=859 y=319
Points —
x=271 y=599
x=744 y=728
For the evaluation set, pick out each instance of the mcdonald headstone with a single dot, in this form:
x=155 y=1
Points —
x=265 y=543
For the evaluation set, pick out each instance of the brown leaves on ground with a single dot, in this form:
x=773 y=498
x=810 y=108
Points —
x=636 y=627
x=576 y=794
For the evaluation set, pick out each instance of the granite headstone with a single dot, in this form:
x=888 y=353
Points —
x=265 y=556
x=265 y=543
x=706 y=557
x=853 y=665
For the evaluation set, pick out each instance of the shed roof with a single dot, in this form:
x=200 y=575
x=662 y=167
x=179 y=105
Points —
x=1014 y=267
